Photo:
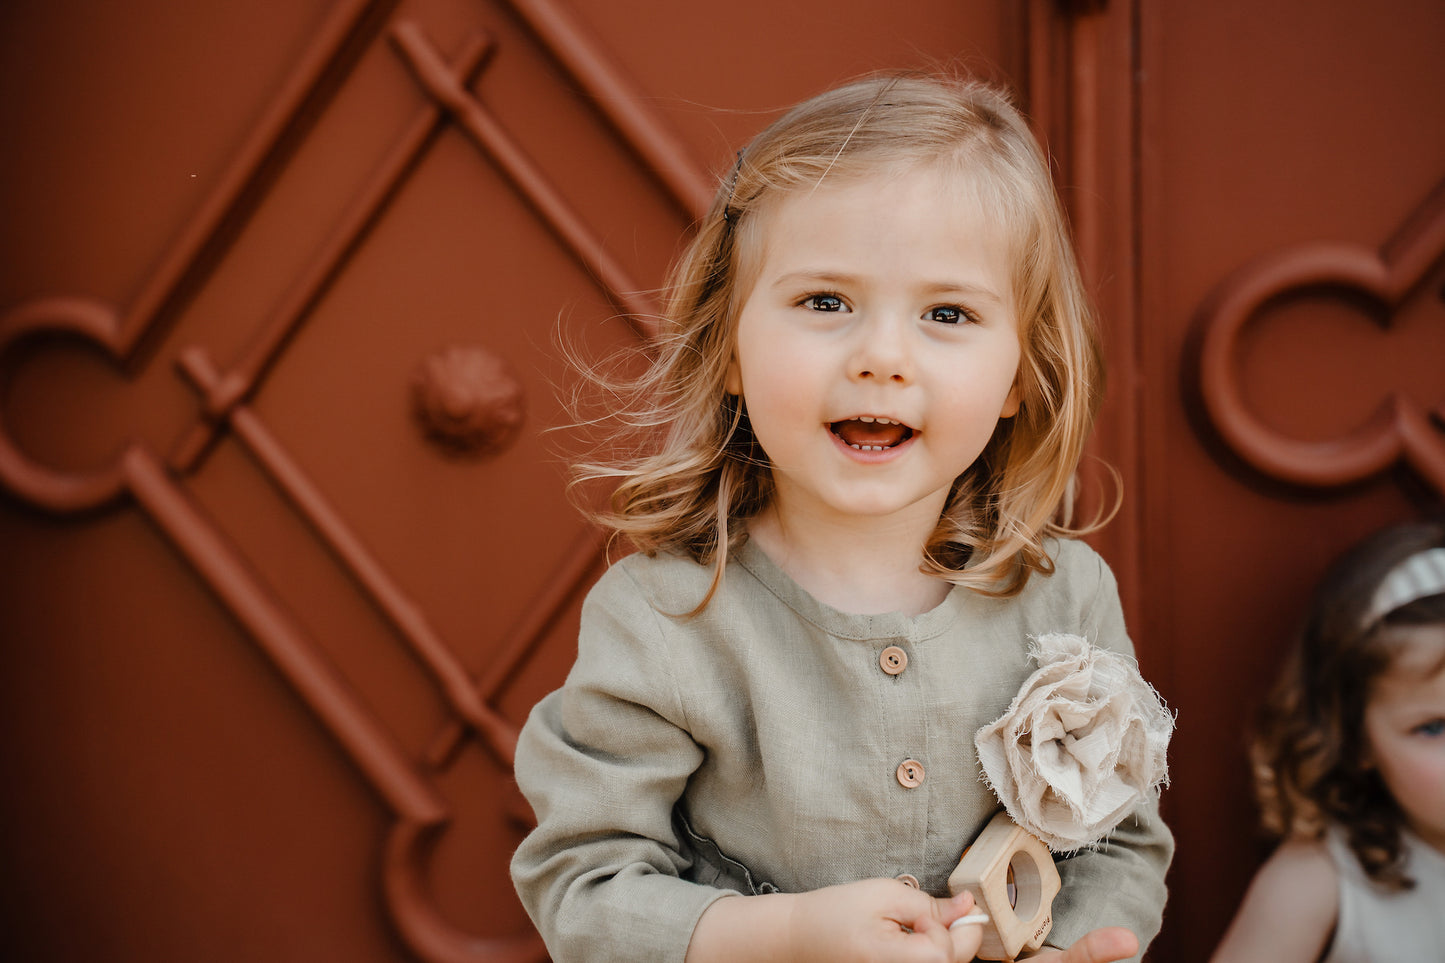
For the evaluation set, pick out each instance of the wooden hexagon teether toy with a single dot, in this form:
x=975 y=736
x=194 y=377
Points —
x=1016 y=924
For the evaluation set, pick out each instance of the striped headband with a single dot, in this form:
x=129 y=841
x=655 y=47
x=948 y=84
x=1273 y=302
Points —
x=1419 y=576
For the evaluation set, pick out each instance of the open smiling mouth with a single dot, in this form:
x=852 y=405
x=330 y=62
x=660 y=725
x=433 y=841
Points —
x=867 y=433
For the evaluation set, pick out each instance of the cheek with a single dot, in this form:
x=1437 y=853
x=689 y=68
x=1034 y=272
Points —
x=992 y=372
x=771 y=371
x=776 y=403
x=1414 y=773
x=981 y=397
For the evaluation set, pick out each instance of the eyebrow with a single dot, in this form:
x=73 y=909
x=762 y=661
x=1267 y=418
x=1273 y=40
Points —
x=932 y=288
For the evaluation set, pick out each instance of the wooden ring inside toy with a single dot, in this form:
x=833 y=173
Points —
x=1025 y=883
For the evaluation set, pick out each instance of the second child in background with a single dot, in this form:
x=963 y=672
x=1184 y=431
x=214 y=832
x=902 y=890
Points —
x=1350 y=769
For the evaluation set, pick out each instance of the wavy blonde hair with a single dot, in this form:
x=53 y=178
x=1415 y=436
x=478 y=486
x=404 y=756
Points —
x=697 y=473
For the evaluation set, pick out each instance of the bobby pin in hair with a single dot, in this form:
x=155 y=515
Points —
x=732 y=187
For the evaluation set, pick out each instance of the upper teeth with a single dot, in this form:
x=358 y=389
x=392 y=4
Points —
x=882 y=421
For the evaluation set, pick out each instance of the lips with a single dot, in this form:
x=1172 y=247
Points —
x=871 y=433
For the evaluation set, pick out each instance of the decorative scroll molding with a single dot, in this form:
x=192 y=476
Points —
x=62 y=492
x=620 y=101
x=449 y=88
x=364 y=738
x=413 y=911
x=158 y=489
x=241 y=381
x=413 y=836
x=187 y=263
x=404 y=615
x=1400 y=430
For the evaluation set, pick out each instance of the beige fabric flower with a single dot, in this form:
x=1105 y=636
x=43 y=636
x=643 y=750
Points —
x=1081 y=745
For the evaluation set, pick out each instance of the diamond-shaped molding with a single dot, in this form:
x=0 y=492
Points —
x=157 y=484
x=1401 y=429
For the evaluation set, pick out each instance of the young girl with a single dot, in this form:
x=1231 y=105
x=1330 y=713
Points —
x=877 y=375
x=1350 y=768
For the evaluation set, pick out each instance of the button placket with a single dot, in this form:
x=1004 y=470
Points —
x=903 y=717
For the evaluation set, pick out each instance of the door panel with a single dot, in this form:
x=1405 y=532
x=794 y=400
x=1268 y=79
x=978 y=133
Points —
x=282 y=570
x=1284 y=146
x=267 y=639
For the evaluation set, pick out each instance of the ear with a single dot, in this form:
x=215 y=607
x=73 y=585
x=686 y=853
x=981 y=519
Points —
x=1011 y=403
x=733 y=377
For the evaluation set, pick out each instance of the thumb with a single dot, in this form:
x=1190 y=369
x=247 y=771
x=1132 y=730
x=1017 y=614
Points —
x=965 y=925
x=955 y=908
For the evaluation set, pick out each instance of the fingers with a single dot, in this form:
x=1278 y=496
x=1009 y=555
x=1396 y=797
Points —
x=965 y=925
x=966 y=936
x=954 y=908
x=932 y=935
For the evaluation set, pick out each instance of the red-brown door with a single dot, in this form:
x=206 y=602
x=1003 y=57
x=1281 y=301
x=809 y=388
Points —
x=286 y=550
x=1292 y=346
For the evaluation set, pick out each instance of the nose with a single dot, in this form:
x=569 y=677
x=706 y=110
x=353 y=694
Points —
x=882 y=350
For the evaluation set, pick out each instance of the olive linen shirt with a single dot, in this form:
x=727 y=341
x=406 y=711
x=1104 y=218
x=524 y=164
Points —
x=756 y=748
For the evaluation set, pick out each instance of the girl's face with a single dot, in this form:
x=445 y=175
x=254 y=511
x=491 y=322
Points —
x=1405 y=729
x=877 y=350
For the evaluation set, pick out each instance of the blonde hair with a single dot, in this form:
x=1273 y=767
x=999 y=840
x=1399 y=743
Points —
x=699 y=472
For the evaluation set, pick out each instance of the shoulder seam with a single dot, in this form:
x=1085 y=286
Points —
x=661 y=636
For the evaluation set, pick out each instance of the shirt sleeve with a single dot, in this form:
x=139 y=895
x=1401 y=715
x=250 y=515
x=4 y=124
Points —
x=1121 y=881
x=602 y=761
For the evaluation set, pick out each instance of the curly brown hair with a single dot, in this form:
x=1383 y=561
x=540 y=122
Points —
x=1309 y=753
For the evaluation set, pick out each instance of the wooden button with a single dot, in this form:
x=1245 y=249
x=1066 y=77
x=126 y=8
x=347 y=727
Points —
x=893 y=660
x=910 y=774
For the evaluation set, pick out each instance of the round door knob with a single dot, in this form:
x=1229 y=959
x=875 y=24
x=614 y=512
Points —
x=468 y=400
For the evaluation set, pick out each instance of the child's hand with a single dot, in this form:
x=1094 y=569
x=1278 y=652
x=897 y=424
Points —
x=882 y=919
x=1097 y=946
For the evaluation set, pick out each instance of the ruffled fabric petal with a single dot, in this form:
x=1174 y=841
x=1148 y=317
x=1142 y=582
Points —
x=1084 y=742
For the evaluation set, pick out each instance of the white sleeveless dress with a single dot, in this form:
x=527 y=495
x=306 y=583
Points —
x=1376 y=925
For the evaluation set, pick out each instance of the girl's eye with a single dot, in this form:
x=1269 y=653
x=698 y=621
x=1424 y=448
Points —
x=824 y=302
x=1435 y=727
x=949 y=314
